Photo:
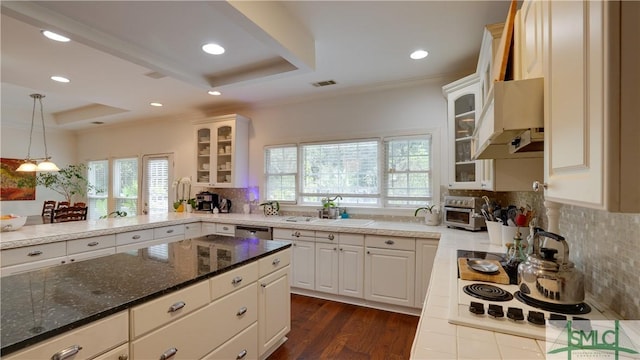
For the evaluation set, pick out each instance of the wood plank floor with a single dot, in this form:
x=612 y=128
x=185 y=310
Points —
x=322 y=329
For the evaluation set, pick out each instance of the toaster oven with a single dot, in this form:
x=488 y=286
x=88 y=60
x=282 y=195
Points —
x=463 y=212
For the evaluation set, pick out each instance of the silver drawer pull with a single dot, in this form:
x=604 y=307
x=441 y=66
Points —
x=123 y=357
x=66 y=353
x=242 y=311
x=135 y=237
x=389 y=242
x=275 y=262
x=177 y=306
x=330 y=237
x=263 y=285
x=93 y=243
x=236 y=280
x=169 y=231
x=168 y=354
x=225 y=228
x=242 y=354
x=296 y=234
x=34 y=253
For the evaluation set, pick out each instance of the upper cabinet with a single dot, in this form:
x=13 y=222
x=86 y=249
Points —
x=591 y=56
x=222 y=151
x=528 y=55
x=463 y=98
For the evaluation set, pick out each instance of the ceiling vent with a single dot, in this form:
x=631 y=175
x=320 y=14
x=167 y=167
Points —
x=323 y=83
x=155 y=75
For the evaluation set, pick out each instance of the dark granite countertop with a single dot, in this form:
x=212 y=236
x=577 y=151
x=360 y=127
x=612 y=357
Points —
x=40 y=304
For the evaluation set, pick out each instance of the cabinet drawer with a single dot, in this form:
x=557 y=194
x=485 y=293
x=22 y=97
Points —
x=242 y=346
x=90 y=244
x=119 y=353
x=327 y=237
x=292 y=234
x=94 y=339
x=225 y=229
x=352 y=239
x=168 y=231
x=131 y=237
x=208 y=229
x=390 y=242
x=192 y=230
x=170 y=307
x=274 y=262
x=200 y=332
x=33 y=253
x=226 y=283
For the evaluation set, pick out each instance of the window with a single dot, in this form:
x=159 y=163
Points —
x=98 y=176
x=281 y=170
x=349 y=169
x=384 y=172
x=125 y=185
x=408 y=171
x=156 y=184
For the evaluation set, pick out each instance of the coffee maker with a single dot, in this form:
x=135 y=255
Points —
x=206 y=201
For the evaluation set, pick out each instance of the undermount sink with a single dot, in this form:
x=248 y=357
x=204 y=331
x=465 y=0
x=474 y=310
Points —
x=300 y=219
x=351 y=222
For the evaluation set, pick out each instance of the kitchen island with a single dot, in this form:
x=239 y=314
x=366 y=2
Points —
x=42 y=305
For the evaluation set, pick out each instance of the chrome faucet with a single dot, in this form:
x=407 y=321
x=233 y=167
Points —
x=329 y=209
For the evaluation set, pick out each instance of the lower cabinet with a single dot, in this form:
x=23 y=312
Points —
x=119 y=353
x=425 y=254
x=326 y=269
x=242 y=346
x=351 y=271
x=274 y=309
x=390 y=276
x=303 y=265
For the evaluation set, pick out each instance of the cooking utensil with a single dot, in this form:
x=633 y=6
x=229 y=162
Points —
x=483 y=266
x=544 y=278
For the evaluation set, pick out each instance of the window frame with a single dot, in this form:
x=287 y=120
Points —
x=296 y=174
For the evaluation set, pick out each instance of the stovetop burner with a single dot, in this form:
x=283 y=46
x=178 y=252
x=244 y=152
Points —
x=487 y=292
x=577 y=309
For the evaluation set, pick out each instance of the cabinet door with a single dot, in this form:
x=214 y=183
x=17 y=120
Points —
x=274 y=310
x=530 y=36
x=204 y=149
x=425 y=254
x=303 y=272
x=351 y=271
x=390 y=276
x=326 y=273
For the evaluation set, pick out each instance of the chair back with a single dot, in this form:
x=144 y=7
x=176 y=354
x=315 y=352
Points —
x=80 y=204
x=48 y=207
x=63 y=204
x=71 y=213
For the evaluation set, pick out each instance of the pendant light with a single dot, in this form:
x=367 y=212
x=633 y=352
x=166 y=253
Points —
x=31 y=165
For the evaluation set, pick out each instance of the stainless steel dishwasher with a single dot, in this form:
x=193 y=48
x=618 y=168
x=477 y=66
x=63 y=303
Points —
x=254 y=232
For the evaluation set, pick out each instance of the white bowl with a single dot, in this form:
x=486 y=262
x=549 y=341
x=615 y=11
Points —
x=12 y=224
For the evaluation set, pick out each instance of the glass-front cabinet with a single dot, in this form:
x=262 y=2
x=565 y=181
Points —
x=222 y=145
x=464 y=101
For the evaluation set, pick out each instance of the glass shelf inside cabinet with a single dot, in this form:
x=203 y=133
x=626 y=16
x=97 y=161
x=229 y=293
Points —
x=204 y=155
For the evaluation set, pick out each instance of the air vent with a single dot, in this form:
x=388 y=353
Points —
x=323 y=83
x=155 y=75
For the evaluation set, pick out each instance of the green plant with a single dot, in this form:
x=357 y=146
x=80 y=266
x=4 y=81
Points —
x=330 y=202
x=273 y=203
x=428 y=208
x=68 y=182
x=115 y=214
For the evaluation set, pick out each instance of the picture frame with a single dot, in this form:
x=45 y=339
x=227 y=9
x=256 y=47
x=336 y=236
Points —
x=14 y=185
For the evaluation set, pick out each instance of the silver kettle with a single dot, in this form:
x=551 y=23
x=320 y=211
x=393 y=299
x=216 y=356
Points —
x=544 y=278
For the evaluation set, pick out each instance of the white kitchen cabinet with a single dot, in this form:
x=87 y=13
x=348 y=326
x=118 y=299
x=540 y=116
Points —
x=592 y=103
x=119 y=353
x=326 y=271
x=87 y=341
x=351 y=271
x=389 y=274
x=303 y=265
x=32 y=257
x=425 y=255
x=528 y=52
x=274 y=310
x=192 y=230
x=463 y=101
x=243 y=346
x=222 y=151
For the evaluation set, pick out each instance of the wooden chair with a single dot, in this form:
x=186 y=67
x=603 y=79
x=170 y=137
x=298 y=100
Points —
x=71 y=213
x=63 y=204
x=80 y=204
x=47 y=208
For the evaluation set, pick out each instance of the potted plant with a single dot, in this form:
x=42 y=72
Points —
x=431 y=214
x=69 y=182
x=182 y=186
x=270 y=207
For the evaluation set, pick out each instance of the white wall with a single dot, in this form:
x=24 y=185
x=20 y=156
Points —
x=15 y=141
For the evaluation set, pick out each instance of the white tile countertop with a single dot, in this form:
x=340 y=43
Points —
x=47 y=233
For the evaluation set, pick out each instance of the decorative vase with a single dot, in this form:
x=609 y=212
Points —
x=432 y=219
x=180 y=208
x=188 y=208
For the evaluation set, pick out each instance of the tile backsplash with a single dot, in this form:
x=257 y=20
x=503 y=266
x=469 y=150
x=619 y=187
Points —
x=604 y=246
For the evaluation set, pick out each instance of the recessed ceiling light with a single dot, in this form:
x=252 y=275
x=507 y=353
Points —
x=53 y=36
x=214 y=93
x=61 y=79
x=419 y=54
x=155 y=104
x=213 y=49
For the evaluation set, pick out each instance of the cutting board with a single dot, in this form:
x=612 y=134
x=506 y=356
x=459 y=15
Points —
x=467 y=273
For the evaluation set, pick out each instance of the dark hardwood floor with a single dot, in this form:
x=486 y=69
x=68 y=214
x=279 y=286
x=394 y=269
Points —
x=322 y=329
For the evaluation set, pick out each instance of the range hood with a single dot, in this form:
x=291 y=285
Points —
x=512 y=120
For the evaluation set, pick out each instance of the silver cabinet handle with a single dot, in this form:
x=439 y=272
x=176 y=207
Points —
x=123 y=357
x=242 y=354
x=242 y=311
x=389 y=242
x=34 y=253
x=177 y=306
x=263 y=285
x=368 y=252
x=236 y=280
x=66 y=353
x=334 y=249
x=330 y=237
x=135 y=237
x=341 y=249
x=169 y=231
x=296 y=234
x=168 y=354
x=225 y=228
x=275 y=262
x=537 y=185
x=93 y=243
